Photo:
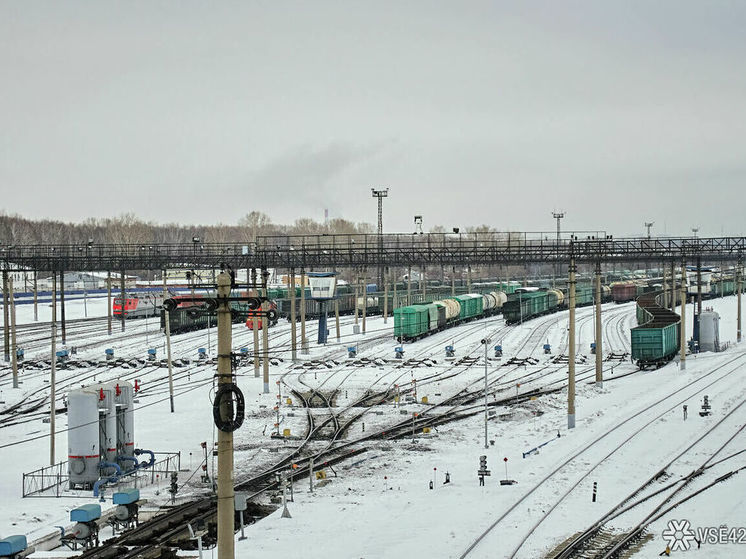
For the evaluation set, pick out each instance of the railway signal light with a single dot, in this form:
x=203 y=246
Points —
x=483 y=462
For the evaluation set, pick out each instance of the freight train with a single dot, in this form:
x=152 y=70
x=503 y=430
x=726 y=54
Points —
x=415 y=321
x=655 y=340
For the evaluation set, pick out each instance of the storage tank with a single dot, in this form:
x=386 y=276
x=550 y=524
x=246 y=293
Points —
x=709 y=331
x=488 y=302
x=107 y=413
x=124 y=401
x=82 y=438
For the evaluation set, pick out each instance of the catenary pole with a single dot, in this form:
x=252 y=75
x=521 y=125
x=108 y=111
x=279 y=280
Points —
x=265 y=331
x=571 y=347
x=293 y=333
x=123 y=298
x=62 y=307
x=254 y=327
x=682 y=330
x=599 y=342
x=385 y=295
x=226 y=544
x=108 y=301
x=13 y=344
x=303 y=340
x=739 y=272
x=36 y=299
x=6 y=316
x=52 y=375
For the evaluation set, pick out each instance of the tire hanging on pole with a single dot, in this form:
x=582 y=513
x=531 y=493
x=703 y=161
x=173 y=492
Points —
x=236 y=419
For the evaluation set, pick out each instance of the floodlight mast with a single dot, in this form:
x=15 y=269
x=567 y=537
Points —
x=649 y=224
x=380 y=194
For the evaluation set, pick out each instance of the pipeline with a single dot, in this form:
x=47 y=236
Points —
x=111 y=479
x=139 y=451
x=129 y=459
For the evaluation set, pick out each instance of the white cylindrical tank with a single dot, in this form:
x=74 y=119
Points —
x=453 y=308
x=82 y=438
x=125 y=422
x=500 y=298
x=488 y=301
x=372 y=302
x=709 y=331
x=107 y=413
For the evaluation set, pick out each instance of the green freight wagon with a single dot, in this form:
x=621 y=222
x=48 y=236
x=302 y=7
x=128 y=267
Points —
x=471 y=305
x=525 y=305
x=656 y=340
x=583 y=295
x=411 y=322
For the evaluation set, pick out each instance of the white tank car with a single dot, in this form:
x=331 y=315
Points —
x=500 y=298
x=82 y=437
x=453 y=308
x=488 y=302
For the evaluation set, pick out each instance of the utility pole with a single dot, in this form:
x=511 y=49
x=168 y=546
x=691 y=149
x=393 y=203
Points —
x=380 y=194
x=738 y=295
x=62 y=307
x=13 y=344
x=226 y=545
x=303 y=340
x=571 y=345
x=36 y=300
x=6 y=316
x=122 y=297
x=649 y=224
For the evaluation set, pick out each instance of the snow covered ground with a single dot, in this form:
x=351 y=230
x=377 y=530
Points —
x=381 y=505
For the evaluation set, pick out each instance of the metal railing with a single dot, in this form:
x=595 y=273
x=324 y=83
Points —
x=53 y=481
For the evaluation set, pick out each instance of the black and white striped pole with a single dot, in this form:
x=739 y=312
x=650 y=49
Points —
x=595 y=488
x=485 y=342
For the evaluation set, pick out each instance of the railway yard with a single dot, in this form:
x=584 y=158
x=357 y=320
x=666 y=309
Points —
x=377 y=437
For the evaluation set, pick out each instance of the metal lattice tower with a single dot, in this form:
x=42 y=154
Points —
x=380 y=194
x=558 y=216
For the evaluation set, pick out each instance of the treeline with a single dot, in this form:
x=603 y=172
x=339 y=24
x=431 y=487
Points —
x=129 y=229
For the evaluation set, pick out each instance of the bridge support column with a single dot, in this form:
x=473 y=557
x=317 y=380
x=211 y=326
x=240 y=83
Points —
x=599 y=342
x=571 y=348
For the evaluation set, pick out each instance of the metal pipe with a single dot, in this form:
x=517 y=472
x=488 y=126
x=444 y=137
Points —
x=225 y=439
x=571 y=349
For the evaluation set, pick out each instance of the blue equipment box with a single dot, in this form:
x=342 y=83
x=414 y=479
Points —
x=12 y=544
x=86 y=513
x=126 y=496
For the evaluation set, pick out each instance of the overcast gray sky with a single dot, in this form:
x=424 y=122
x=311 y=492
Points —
x=470 y=112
